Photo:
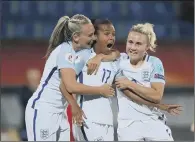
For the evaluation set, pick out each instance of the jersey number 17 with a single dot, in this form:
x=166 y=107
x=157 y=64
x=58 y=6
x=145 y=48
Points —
x=106 y=75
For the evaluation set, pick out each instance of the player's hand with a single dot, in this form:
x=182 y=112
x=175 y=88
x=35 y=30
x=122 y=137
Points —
x=93 y=64
x=122 y=83
x=171 y=108
x=106 y=90
x=77 y=115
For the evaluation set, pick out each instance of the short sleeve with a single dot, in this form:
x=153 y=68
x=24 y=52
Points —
x=157 y=74
x=85 y=55
x=66 y=58
x=81 y=58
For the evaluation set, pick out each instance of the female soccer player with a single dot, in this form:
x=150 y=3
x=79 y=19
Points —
x=66 y=56
x=144 y=78
x=99 y=123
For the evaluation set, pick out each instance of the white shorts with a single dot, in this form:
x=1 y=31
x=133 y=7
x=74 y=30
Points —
x=93 y=132
x=46 y=126
x=150 y=130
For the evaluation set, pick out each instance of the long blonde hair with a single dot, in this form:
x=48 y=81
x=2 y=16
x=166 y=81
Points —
x=146 y=29
x=64 y=30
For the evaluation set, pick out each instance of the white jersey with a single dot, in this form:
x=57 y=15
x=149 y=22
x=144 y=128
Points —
x=97 y=108
x=48 y=94
x=151 y=71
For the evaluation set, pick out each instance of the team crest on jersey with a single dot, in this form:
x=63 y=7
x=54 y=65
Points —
x=145 y=75
x=44 y=133
x=99 y=139
x=69 y=57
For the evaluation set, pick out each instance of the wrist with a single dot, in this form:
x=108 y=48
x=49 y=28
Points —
x=73 y=103
x=100 y=90
x=158 y=105
x=100 y=56
x=161 y=106
x=131 y=85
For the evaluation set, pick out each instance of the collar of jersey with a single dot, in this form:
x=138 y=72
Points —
x=92 y=52
x=141 y=67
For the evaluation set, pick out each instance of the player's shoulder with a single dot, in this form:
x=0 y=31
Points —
x=153 y=59
x=84 y=54
x=65 y=46
x=86 y=51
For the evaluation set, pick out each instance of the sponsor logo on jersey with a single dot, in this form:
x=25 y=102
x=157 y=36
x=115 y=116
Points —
x=159 y=76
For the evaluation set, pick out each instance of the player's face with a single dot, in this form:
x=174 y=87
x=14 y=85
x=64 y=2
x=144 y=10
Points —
x=86 y=36
x=105 y=37
x=136 y=46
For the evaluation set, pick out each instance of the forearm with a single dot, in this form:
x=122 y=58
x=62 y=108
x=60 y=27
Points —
x=137 y=99
x=69 y=97
x=110 y=56
x=72 y=86
x=85 y=89
x=147 y=93
x=78 y=88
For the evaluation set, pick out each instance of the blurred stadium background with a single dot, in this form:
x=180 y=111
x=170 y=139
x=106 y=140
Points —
x=26 y=27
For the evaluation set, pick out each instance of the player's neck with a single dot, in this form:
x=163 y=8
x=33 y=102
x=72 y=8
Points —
x=136 y=64
x=75 y=46
x=96 y=49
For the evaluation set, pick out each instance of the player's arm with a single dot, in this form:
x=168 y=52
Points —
x=68 y=76
x=69 y=97
x=173 y=109
x=66 y=67
x=153 y=94
x=133 y=95
x=110 y=55
x=77 y=112
x=138 y=99
x=94 y=63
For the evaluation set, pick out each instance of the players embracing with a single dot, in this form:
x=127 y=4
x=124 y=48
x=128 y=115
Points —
x=140 y=85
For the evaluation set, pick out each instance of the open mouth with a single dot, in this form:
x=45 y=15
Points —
x=110 y=45
x=133 y=52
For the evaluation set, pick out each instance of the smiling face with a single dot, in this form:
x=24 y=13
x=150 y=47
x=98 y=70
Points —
x=136 y=46
x=86 y=35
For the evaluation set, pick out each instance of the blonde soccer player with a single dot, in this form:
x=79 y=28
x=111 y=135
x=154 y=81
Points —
x=142 y=76
x=68 y=51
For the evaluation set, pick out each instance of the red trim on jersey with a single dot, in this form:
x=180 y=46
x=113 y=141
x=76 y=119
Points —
x=69 y=114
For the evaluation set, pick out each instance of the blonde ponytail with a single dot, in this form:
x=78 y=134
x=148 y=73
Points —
x=65 y=29
x=57 y=36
